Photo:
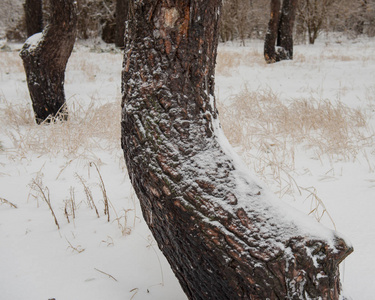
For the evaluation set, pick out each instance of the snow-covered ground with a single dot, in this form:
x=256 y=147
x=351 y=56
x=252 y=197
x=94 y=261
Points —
x=91 y=258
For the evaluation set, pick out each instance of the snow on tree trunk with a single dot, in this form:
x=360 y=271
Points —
x=224 y=235
x=45 y=56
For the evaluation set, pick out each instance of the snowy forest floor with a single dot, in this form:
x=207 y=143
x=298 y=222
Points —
x=305 y=127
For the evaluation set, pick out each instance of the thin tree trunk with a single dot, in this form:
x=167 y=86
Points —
x=33 y=16
x=223 y=234
x=270 y=54
x=45 y=57
x=121 y=17
x=285 y=32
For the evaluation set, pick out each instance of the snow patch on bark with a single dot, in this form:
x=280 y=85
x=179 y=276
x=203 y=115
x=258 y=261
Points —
x=33 y=41
x=275 y=208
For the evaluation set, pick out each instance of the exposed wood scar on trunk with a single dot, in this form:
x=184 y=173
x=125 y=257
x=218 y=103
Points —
x=171 y=15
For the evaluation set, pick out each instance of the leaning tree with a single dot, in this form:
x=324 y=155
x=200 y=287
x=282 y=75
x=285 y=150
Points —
x=278 y=44
x=223 y=233
x=45 y=56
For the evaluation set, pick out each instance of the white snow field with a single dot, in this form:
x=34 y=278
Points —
x=304 y=127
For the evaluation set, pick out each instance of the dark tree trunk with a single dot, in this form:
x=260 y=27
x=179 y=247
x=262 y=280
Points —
x=33 y=16
x=45 y=57
x=280 y=31
x=360 y=25
x=285 y=32
x=122 y=7
x=270 y=54
x=109 y=31
x=224 y=235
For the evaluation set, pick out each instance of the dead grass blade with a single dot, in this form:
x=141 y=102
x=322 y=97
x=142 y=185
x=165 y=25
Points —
x=104 y=191
x=110 y=276
x=42 y=192
x=77 y=249
x=88 y=193
x=3 y=200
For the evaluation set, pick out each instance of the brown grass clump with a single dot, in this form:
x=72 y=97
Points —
x=88 y=128
x=330 y=129
x=228 y=60
x=269 y=132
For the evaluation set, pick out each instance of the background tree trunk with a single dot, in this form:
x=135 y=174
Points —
x=33 y=16
x=122 y=7
x=280 y=31
x=223 y=234
x=272 y=32
x=285 y=30
x=45 y=57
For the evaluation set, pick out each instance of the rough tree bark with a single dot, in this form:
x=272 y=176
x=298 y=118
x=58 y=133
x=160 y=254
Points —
x=45 y=56
x=121 y=17
x=224 y=235
x=33 y=16
x=280 y=31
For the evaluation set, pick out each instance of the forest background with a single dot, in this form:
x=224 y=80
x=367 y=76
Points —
x=240 y=19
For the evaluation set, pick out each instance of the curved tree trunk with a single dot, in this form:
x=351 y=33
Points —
x=45 y=56
x=121 y=17
x=223 y=234
x=33 y=16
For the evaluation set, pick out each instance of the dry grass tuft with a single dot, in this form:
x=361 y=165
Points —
x=228 y=60
x=261 y=118
x=88 y=128
x=269 y=132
